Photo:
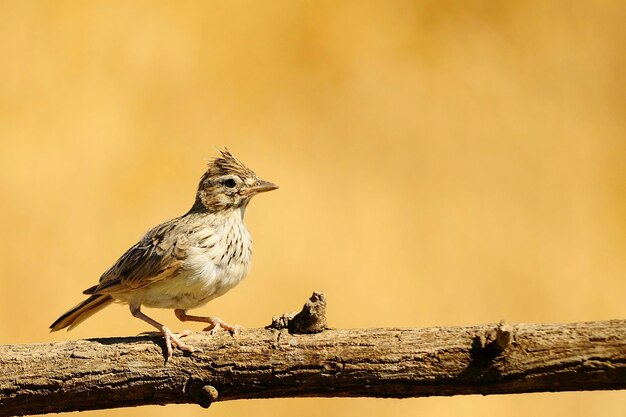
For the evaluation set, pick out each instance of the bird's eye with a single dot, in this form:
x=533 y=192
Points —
x=230 y=183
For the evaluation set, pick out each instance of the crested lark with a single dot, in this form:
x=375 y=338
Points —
x=185 y=262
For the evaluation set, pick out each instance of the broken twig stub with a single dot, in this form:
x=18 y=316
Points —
x=311 y=319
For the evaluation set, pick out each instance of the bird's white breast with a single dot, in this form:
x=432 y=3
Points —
x=218 y=259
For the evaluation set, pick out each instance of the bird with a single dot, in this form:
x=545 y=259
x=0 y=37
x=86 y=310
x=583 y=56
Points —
x=185 y=262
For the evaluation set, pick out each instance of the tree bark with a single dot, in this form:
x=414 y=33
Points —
x=272 y=363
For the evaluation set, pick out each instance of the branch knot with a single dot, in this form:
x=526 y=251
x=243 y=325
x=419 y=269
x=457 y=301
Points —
x=312 y=318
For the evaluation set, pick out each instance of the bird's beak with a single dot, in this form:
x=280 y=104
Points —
x=262 y=186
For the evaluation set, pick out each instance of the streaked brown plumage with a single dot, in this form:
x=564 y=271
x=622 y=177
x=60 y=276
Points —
x=187 y=261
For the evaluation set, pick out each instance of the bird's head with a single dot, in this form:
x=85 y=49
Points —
x=228 y=184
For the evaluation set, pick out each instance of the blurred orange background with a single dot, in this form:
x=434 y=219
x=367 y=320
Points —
x=440 y=163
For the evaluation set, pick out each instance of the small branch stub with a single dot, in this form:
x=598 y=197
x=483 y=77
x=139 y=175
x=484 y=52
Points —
x=494 y=341
x=311 y=319
x=211 y=395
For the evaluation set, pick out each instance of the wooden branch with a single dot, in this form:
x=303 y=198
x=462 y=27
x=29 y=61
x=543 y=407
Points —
x=273 y=363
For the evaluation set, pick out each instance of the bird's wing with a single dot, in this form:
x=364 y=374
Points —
x=157 y=256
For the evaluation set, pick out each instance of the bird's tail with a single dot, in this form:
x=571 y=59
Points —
x=82 y=311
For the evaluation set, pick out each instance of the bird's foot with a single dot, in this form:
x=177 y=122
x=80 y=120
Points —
x=173 y=339
x=217 y=324
x=154 y=334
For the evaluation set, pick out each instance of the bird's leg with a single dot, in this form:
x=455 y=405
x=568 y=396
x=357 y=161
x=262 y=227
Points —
x=170 y=338
x=215 y=323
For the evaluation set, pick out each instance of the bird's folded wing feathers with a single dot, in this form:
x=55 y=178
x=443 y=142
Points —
x=156 y=257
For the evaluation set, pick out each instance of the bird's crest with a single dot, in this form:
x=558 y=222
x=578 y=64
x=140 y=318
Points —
x=227 y=164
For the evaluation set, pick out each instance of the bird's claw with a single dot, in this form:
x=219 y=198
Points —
x=173 y=339
x=217 y=324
